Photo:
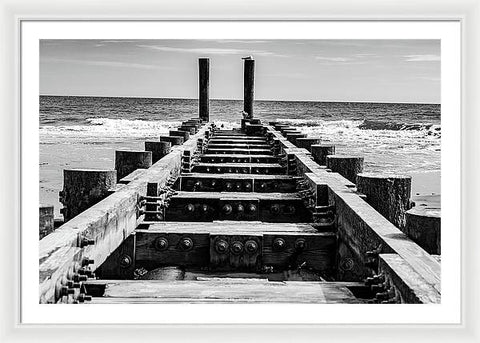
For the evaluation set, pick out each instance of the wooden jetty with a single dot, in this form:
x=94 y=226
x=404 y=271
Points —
x=259 y=213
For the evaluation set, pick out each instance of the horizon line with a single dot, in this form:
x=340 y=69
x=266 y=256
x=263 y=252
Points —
x=223 y=99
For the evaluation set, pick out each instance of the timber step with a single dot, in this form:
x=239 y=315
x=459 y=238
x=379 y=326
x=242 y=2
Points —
x=198 y=182
x=238 y=145
x=245 y=140
x=238 y=158
x=241 y=151
x=222 y=290
x=209 y=206
x=239 y=168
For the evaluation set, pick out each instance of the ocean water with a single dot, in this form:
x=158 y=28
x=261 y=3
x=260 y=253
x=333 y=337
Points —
x=84 y=132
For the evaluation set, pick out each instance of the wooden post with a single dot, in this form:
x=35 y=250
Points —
x=129 y=161
x=174 y=140
x=307 y=143
x=83 y=188
x=292 y=137
x=180 y=133
x=248 y=87
x=203 y=88
x=388 y=194
x=321 y=151
x=158 y=149
x=423 y=227
x=347 y=166
x=46 y=220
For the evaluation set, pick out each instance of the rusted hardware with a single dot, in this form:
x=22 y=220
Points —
x=125 y=261
x=251 y=247
x=87 y=261
x=372 y=258
x=72 y=284
x=189 y=208
x=161 y=244
x=86 y=271
x=79 y=278
x=221 y=246
x=65 y=291
x=236 y=248
x=82 y=297
x=374 y=280
x=186 y=244
x=251 y=208
x=278 y=244
x=388 y=294
x=227 y=209
x=378 y=288
x=300 y=244
x=85 y=242
x=275 y=209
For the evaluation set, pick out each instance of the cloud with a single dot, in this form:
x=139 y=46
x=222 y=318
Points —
x=211 y=51
x=111 y=64
x=422 y=58
x=333 y=59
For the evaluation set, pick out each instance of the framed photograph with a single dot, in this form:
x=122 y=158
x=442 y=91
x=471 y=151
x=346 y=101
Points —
x=254 y=172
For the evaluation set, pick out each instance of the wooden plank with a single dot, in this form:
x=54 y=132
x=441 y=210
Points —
x=210 y=150
x=238 y=158
x=237 y=195
x=411 y=286
x=239 y=168
x=222 y=227
x=238 y=146
x=223 y=290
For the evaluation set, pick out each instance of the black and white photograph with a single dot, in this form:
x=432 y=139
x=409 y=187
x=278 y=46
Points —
x=233 y=171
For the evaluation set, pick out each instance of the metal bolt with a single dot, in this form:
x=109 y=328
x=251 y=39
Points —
x=161 y=243
x=227 y=209
x=248 y=186
x=82 y=297
x=221 y=246
x=238 y=186
x=275 y=209
x=214 y=183
x=240 y=208
x=263 y=186
x=79 y=278
x=84 y=242
x=237 y=248
x=290 y=209
x=279 y=244
x=186 y=244
x=190 y=208
x=251 y=208
x=125 y=261
x=228 y=186
x=204 y=208
x=72 y=284
x=300 y=244
x=87 y=261
x=251 y=246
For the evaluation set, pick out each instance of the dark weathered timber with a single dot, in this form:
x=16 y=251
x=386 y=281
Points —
x=158 y=149
x=180 y=133
x=388 y=194
x=46 y=220
x=347 y=166
x=174 y=140
x=239 y=168
x=248 y=87
x=128 y=161
x=83 y=188
x=321 y=151
x=239 y=151
x=238 y=158
x=203 y=88
x=422 y=225
x=306 y=143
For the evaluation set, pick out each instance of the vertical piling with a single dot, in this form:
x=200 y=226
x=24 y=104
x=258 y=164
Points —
x=388 y=194
x=203 y=90
x=248 y=87
x=83 y=188
x=347 y=166
x=321 y=151
x=129 y=161
x=46 y=220
x=158 y=149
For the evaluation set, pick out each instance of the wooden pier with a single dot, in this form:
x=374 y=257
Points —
x=259 y=213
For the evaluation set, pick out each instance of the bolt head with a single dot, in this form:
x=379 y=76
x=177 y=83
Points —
x=251 y=246
x=240 y=208
x=190 y=208
x=252 y=208
x=279 y=244
x=237 y=248
x=221 y=246
x=227 y=209
x=300 y=244
x=161 y=244
x=275 y=209
x=186 y=244
x=125 y=261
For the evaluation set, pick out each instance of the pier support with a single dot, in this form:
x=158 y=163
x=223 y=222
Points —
x=158 y=149
x=180 y=133
x=307 y=143
x=83 y=188
x=248 y=87
x=129 y=161
x=321 y=151
x=46 y=220
x=422 y=225
x=173 y=140
x=203 y=88
x=347 y=166
x=388 y=194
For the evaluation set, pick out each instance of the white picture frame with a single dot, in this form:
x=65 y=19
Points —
x=466 y=12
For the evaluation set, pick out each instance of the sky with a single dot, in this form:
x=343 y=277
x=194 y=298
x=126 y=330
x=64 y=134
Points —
x=297 y=70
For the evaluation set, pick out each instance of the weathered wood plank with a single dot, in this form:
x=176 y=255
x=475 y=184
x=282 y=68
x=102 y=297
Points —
x=225 y=290
x=229 y=150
